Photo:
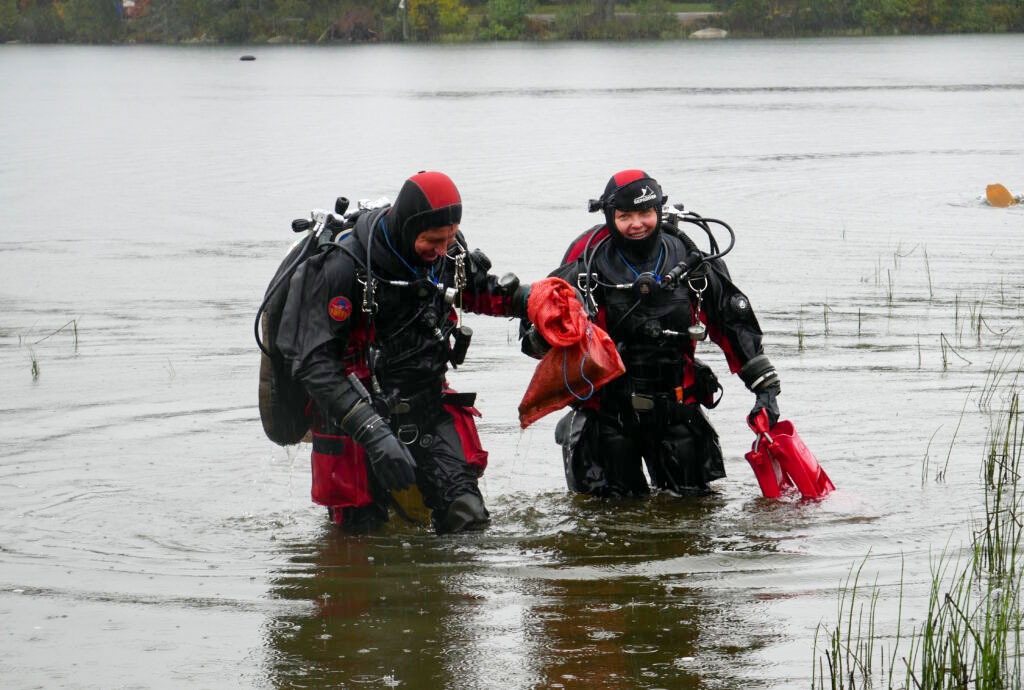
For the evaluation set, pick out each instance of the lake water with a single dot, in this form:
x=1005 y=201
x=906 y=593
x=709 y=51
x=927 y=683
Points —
x=150 y=536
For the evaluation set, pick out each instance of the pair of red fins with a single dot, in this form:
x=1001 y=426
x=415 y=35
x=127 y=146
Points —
x=782 y=461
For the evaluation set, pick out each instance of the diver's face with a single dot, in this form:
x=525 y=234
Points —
x=433 y=243
x=636 y=225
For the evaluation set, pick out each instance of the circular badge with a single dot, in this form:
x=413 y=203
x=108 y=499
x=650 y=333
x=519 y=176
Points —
x=340 y=308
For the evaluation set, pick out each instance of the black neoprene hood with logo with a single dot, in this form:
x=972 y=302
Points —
x=632 y=190
x=426 y=200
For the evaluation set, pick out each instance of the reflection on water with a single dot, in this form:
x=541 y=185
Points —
x=562 y=599
x=366 y=608
x=706 y=91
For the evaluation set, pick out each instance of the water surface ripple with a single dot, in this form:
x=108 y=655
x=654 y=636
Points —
x=150 y=536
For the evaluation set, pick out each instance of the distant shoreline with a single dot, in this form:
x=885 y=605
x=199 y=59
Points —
x=278 y=41
x=482 y=21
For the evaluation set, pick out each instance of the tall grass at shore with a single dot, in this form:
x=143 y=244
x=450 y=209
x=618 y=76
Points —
x=970 y=636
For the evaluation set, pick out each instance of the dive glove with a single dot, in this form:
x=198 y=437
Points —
x=521 y=301
x=762 y=380
x=518 y=294
x=479 y=261
x=534 y=344
x=388 y=457
x=766 y=400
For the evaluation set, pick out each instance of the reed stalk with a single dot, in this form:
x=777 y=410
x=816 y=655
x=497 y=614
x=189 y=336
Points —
x=977 y=323
x=73 y=323
x=1003 y=363
x=956 y=313
x=947 y=347
x=800 y=333
x=928 y=272
x=941 y=475
x=927 y=457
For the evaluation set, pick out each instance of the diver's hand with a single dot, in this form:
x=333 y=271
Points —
x=520 y=300
x=389 y=460
x=766 y=400
x=534 y=344
x=479 y=261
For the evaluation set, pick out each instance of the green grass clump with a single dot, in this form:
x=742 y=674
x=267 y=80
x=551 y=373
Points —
x=971 y=634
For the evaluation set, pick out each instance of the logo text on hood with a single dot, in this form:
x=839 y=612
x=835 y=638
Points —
x=645 y=195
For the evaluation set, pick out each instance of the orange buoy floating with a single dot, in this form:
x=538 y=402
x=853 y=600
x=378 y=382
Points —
x=999 y=196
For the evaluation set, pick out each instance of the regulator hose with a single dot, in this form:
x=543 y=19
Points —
x=697 y=258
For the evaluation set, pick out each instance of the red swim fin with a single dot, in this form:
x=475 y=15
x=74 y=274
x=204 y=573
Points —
x=797 y=460
x=770 y=477
x=784 y=448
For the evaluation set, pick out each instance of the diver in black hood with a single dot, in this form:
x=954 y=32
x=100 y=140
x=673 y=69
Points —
x=656 y=294
x=370 y=327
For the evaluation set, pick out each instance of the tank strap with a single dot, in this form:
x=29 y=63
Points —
x=458 y=399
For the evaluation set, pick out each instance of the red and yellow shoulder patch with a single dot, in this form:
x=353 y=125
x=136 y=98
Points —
x=340 y=308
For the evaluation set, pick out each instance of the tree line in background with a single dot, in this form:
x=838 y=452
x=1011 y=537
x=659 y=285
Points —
x=286 y=21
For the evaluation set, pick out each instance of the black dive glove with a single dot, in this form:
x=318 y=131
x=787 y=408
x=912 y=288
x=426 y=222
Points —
x=389 y=459
x=518 y=294
x=520 y=301
x=479 y=261
x=766 y=401
x=534 y=344
x=763 y=381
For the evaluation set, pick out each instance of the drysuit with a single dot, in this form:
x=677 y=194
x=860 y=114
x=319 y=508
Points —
x=653 y=411
x=370 y=306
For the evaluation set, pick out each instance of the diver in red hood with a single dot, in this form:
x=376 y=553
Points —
x=647 y=284
x=370 y=327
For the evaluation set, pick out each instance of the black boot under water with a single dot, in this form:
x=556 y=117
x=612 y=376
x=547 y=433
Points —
x=467 y=512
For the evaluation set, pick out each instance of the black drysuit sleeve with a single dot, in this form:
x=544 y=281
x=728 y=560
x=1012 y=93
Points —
x=730 y=318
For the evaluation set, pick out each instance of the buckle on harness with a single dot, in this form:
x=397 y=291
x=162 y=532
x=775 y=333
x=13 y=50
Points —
x=641 y=403
x=584 y=281
x=407 y=434
x=401 y=406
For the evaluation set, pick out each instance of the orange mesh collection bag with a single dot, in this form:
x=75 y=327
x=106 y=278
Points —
x=582 y=358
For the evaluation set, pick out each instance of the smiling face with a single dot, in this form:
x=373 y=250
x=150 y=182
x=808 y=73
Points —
x=636 y=225
x=433 y=243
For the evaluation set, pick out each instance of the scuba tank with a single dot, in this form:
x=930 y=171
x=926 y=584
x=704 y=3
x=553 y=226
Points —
x=282 y=399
